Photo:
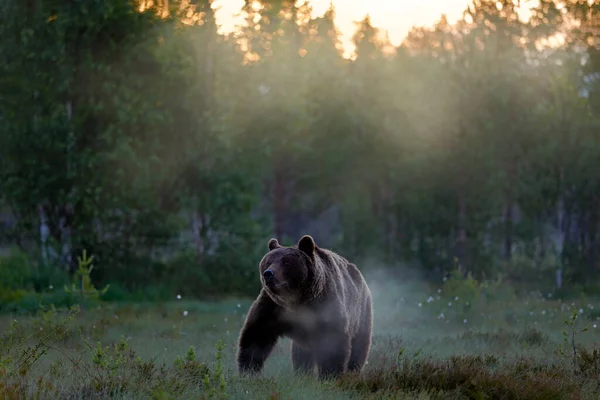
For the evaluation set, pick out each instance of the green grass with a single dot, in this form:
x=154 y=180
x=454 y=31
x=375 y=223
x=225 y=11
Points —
x=489 y=350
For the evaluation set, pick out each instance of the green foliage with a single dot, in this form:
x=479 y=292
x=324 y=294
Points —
x=16 y=271
x=144 y=351
x=215 y=383
x=18 y=355
x=83 y=284
x=110 y=369
x=463 y=296
x=466 y=288
x=25 y=284
x=20 y=271
x=172 y=153
x=467 y=377
x=569 y=344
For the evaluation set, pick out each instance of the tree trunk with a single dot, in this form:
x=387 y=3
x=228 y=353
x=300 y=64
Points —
x=462 y=230
x=593 y=236
x=559 y=237
x=44 y=235
x=200 y=223
x=279 y=203
x=541 y=254
x=387 y=218
x=509 y=211
x=66 y=220
x=508 y=229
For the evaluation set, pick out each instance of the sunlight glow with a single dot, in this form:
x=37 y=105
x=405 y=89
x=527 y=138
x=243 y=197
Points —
x=395 y=17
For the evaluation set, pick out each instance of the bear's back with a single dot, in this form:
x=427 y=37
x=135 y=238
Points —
x=343 y=277
x=337 y=264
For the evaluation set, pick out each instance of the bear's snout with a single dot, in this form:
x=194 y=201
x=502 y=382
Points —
x=272 y=280
x=269 y=277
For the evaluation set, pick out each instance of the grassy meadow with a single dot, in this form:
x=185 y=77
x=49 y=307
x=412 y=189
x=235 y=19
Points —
x=135 y=133
x=428 y=343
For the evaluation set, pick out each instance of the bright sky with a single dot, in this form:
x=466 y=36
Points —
x=395 y=16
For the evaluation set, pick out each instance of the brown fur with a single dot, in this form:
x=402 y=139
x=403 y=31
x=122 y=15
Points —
x=318 y=299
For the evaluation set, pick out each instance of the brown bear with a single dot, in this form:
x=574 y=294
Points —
x=318 y=299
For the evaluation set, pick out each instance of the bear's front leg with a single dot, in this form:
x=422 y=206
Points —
x=332 y=355
x=302 y=359
x=258 y=335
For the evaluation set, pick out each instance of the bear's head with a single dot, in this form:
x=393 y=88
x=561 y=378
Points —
x=286 y=271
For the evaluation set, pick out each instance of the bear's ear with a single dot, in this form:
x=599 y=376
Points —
x=273 y=244
x=307 y=245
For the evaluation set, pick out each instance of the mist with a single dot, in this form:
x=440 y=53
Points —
x=457 y=169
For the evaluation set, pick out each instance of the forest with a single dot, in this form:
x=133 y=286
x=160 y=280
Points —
x=139 y=141
x=158 y=145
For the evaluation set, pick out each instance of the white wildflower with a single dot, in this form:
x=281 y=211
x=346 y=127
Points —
x=185 y=313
